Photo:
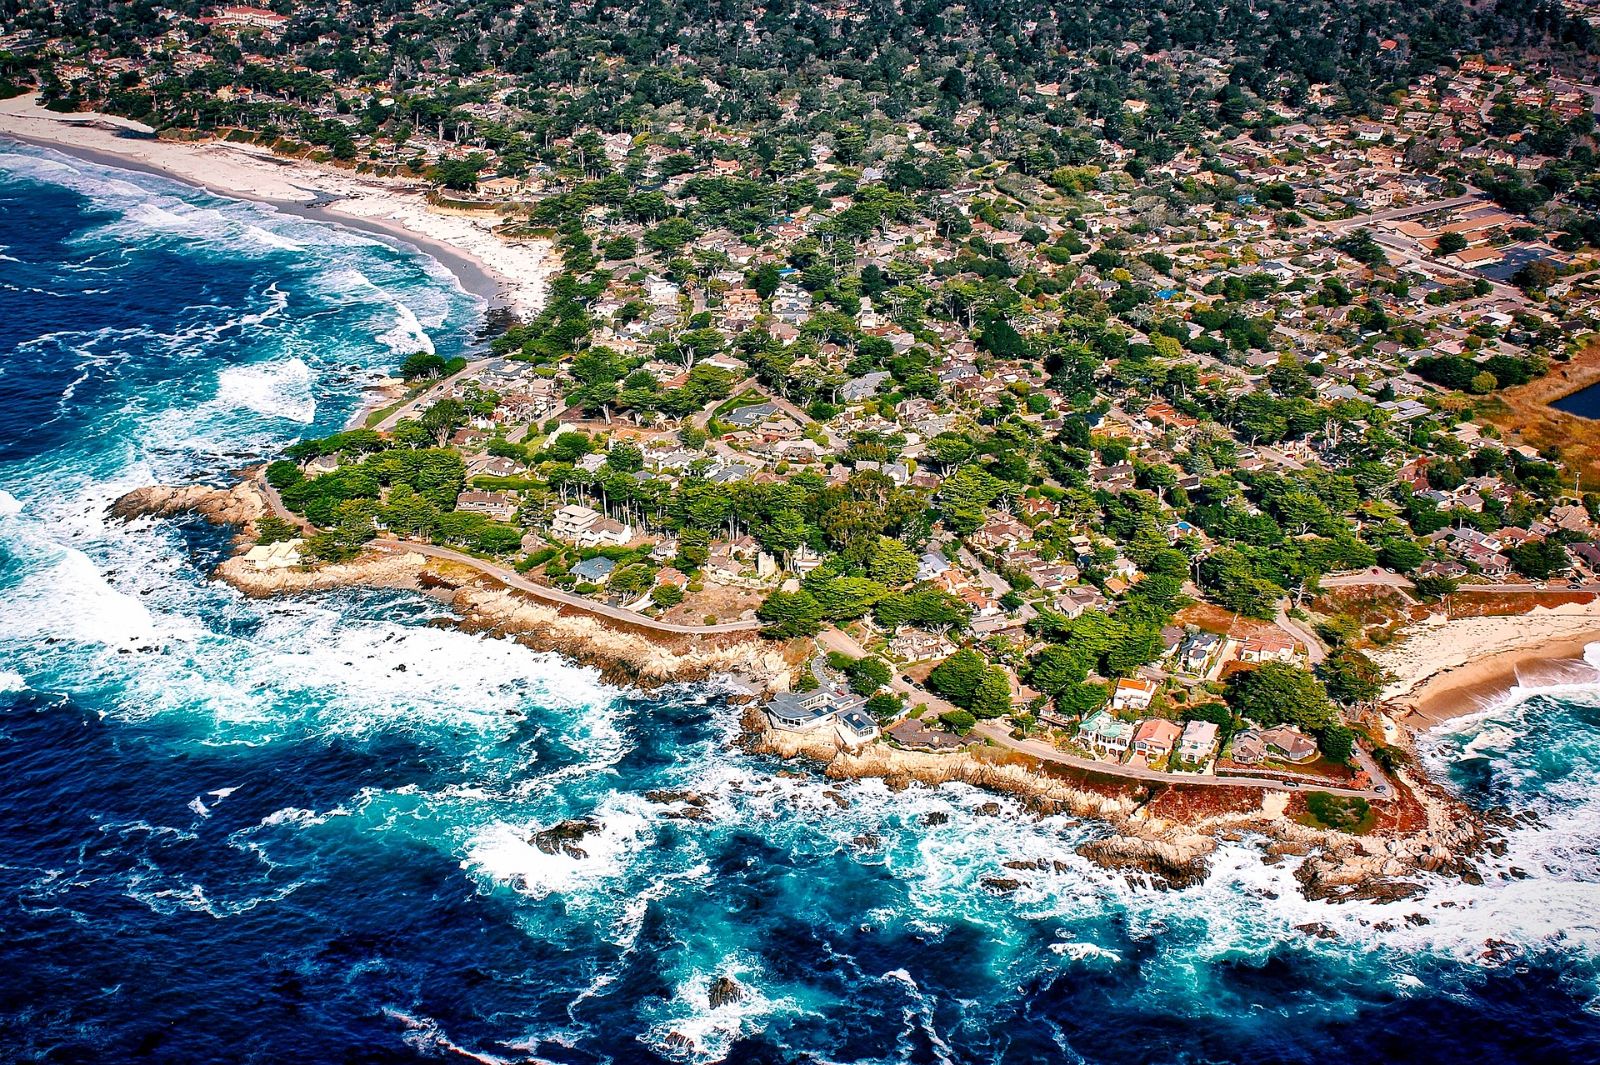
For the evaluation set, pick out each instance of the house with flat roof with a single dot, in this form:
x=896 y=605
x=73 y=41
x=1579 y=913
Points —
x=800 y=711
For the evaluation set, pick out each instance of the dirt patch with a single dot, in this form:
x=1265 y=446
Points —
x=1524 y=414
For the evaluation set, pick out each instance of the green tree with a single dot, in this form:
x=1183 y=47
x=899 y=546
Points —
x=957 y=677
x=1280 y=693
x=790 y=614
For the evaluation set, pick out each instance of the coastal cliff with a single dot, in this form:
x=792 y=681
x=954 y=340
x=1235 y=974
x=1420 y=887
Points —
x=1160 y=834
x=624 y=653
x=1165 y=837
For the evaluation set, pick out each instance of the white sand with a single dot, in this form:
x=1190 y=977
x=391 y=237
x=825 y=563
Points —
x=1468 y=647
x=522 y=268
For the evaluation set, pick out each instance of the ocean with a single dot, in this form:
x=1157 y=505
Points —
x=299 y=829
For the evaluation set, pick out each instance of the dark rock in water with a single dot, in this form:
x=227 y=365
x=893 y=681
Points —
x=724 y=991
x=869 y=841
x=1473 y=877
x=1416 y=920
x=668 y=796
x=838 y=799
x=1023 y=865
x=679 y=1041
x=1001 y=885
x=688 y=813
x=937 y=817
x=990 y=809
x=1518 y=873
x=1321 y=931
x=1061 y=866
x=563 y=838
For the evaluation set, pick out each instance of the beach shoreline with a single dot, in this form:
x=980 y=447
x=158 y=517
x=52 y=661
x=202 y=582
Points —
x=1454 y=669
x=503 y=274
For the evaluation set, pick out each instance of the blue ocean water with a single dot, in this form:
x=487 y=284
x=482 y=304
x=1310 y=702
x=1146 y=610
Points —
x=299 y=829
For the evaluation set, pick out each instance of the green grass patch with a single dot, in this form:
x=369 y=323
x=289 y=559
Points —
x=1351 y=814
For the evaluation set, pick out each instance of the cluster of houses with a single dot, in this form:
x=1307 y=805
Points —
x=1154 y=741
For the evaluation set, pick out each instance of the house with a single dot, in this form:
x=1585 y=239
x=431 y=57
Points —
x=932 y=564
x=281 y=555
x=501 y=506
x=1155 y=738
x=572 y=521
x=1199 y=739
x=593 y=571
x=799 y=711
x=1248 y=747
x=1267 y=647
x=1133 y=693
x=1105 y=734
x=855 y=727
x=1196 y=652
x=585 y=527
x=1289 y=742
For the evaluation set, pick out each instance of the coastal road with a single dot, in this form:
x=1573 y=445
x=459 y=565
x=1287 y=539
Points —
x=438 y=390
x=1001 y=735
x=998 y=733
x=512 y=579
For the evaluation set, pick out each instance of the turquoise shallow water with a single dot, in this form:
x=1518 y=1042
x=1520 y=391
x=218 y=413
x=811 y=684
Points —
x=238 y=830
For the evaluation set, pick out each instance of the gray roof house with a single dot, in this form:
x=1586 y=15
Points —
x=594 y=570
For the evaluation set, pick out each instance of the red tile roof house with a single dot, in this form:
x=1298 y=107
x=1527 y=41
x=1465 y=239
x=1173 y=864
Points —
x=1133 y=693
x=1155 y=738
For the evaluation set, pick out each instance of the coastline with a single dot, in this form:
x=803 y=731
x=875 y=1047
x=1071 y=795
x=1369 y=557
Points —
x=1451 y=669
x=1163 y=835
x=502 y=273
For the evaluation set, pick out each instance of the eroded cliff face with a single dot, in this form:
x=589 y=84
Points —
x=1174 y=853
x=623 y=653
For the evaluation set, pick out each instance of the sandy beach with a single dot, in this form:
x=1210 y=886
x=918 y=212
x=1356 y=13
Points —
x=506 y=273
x=1448 y=669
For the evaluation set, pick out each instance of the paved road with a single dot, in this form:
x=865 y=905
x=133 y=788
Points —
x=1000 y=734
x=1402 y=584
x=1345 y=225
x=1297 y=631
x=436 y=391
x=511 y=578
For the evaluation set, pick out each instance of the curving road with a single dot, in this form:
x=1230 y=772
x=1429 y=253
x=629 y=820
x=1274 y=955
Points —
x=512 y=579
x=1000 y=734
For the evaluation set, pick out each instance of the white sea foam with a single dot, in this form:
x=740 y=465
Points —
x=407 y=335
x=427 y=1035
x=505 y=854
x=279 y=390
x=12 y=681
x=9 y=504
x=271 y=239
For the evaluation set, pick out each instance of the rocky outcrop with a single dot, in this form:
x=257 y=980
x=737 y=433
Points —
x=1165 y=864
x=240 y=505
x=724 y=991
x=564 y=837
x=368 y=571
x=638 y=656
x=902 y=768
